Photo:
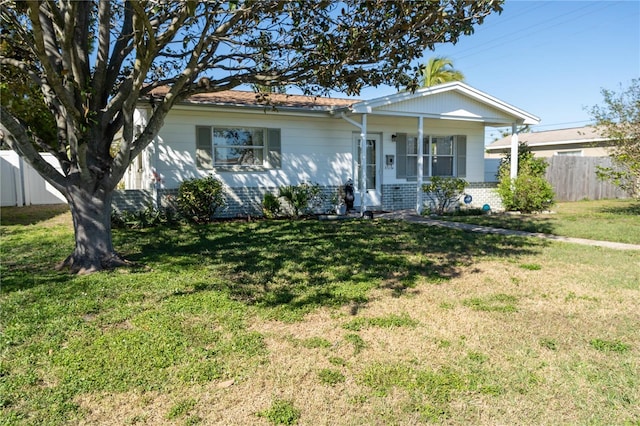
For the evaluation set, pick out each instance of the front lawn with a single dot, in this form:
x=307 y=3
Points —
x=308 y=322
x=607 y=220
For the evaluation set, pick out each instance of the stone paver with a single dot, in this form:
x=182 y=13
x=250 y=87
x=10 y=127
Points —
x=411 y=216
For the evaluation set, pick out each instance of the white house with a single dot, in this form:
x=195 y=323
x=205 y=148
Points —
x=254 y=148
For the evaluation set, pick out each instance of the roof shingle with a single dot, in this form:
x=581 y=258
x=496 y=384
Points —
x=245 y=98
x=561 y=136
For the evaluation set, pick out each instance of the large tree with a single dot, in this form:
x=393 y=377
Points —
x=618 y=119
x=94 y=60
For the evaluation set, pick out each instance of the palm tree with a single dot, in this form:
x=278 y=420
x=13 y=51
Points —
x=440 y=70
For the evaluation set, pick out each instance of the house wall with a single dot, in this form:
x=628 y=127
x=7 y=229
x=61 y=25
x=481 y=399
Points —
x=315 y=149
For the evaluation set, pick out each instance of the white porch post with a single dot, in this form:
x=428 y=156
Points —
x=514 y=151
x=420 y=177
x=363 y=164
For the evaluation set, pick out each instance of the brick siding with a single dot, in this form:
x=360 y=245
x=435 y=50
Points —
x=244 y=201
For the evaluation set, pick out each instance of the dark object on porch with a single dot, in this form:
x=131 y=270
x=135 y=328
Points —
x=368 y=214
x=348 y=194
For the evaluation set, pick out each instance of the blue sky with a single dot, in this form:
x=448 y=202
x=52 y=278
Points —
x=549 y=58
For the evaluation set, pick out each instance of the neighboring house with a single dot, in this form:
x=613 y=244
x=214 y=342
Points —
x=255 y=148
x=578 y=141
x=574 y=156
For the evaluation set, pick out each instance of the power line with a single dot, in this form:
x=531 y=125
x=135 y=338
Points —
x=526 y=32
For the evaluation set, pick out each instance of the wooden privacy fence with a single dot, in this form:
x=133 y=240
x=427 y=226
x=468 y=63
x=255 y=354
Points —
x=574 y=178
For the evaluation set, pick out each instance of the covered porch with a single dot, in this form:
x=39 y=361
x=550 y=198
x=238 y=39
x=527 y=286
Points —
x=406 y=138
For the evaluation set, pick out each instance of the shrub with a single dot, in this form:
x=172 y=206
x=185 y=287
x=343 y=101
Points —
x=526 y=194
x=444 y=192
x=270 y=205
x=300 y=197
x=145 y=218
x=198 y=199
x=529 y=191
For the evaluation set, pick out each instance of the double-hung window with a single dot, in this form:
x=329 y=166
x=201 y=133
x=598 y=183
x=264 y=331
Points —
x=441 y=156
x=237 y=148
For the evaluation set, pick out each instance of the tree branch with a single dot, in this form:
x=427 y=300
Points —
x=16 y=136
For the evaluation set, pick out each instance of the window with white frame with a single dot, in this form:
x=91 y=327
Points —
x=572 y=153
x=237 y=147
x=441 y=156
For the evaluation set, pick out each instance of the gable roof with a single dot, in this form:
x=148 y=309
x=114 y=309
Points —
x=575 y=135
x=455 y=100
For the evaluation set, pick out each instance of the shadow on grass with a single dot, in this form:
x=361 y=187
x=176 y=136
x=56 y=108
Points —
x=626 y=210
x=288 y=267
x=300 y=265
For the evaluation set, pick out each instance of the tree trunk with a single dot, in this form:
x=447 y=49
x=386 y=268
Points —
x=91 y=212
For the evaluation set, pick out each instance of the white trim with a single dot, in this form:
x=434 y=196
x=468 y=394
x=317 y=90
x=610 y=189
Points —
x=255 y=109
x=484 y=98
x=514 y=151
x=420 y=159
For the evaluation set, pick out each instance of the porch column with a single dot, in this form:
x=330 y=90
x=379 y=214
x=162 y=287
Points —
x=514 y=151
x=363 y=164
x=419 y=195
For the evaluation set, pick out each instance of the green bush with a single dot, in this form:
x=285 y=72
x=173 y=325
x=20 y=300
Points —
x=301 y=197
x=529 y=191
x=271 y=205
x=198 y=199
x=145 y=218
x=444 y=192
x=526 y=194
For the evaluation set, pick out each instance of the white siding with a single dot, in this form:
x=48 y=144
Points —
x=393 y=125
x=449 y=104
x=314 y=149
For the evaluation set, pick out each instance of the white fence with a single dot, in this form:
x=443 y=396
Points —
x=21 y=185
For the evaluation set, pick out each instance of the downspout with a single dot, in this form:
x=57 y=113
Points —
x=420 y=177
x=514 y=151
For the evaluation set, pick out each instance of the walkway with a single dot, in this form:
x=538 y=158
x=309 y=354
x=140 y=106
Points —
x=411 y=216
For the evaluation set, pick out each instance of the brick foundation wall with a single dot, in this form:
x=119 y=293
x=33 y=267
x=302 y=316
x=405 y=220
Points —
x=245 y=201
x=131 y=200
x=484 y=193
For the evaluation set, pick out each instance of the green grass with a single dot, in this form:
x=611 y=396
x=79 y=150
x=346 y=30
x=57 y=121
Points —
x=493 y=303
x=388 y=321
x=330 y=377
x=219 y=303
x=609 y=346
x=281 y=412
x=430 y=391
x=606 y=220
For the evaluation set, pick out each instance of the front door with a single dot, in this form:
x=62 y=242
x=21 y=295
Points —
x=373 y=194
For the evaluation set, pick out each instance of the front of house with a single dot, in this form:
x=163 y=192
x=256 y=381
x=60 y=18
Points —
x=253 y=148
